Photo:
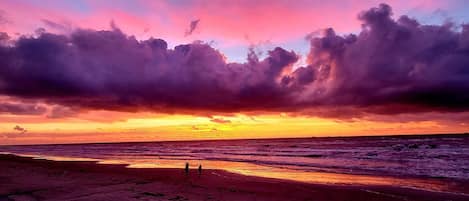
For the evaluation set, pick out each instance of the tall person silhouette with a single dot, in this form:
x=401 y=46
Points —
x=187 y=168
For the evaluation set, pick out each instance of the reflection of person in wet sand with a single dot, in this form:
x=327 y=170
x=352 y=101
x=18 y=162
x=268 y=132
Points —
x=187 y=168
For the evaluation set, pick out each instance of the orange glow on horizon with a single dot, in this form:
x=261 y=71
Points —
x=92 y=127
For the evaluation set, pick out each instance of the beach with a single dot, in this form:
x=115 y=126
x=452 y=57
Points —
x=23 y=178
x=219 y=100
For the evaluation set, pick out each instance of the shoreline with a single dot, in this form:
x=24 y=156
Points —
x=36 y=179
x=431 y=184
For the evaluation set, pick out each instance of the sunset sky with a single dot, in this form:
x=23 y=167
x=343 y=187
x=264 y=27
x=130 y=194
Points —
x=107 y=71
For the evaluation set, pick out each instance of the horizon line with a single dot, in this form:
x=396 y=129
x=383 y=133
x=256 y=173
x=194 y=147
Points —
x=261 y=138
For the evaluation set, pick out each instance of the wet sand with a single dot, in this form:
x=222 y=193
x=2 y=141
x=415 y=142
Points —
x=23 y=178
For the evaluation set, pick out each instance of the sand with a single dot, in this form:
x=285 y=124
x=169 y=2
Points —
x=23 y=178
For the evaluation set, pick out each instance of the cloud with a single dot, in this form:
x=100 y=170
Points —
x=4 y=37
x=203 y=128
x=3 y=18
x=21 y=109
x=392 y=66
x=113 y=71
x=192 y=27
x=220 y=121
x=395 y=66
x=20 y=129
x=62 y=112
x=57 y=26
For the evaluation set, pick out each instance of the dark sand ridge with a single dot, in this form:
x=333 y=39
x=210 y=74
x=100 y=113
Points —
x=23 y=178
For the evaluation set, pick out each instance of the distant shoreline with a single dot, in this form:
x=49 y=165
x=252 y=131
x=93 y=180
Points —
x=433 y=135
x=27 y=178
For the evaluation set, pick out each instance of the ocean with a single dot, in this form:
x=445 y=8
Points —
x=431 y=162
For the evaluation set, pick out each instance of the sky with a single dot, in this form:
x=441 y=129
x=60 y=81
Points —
x=110 y=71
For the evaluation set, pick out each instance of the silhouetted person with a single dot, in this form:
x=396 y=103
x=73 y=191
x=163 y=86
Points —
x=187 y=168
x=200 y=169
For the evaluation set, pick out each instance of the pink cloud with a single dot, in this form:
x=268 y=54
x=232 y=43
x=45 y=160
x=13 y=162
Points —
x=227 y=22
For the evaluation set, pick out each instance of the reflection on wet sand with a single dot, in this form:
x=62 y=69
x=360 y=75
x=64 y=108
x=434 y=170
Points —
x=290 y=174
x=250 y=169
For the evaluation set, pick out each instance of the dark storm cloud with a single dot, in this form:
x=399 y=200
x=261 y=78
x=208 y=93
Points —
x=109 y=70
x=391 y=66
x=400 y=64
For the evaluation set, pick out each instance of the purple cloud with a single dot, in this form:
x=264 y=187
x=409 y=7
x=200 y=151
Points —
x=390 y=67
x=109 y=70
x=62 y=112
x=192 y=27
x=57 y=26
x=22 y=108
x=400 y=64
